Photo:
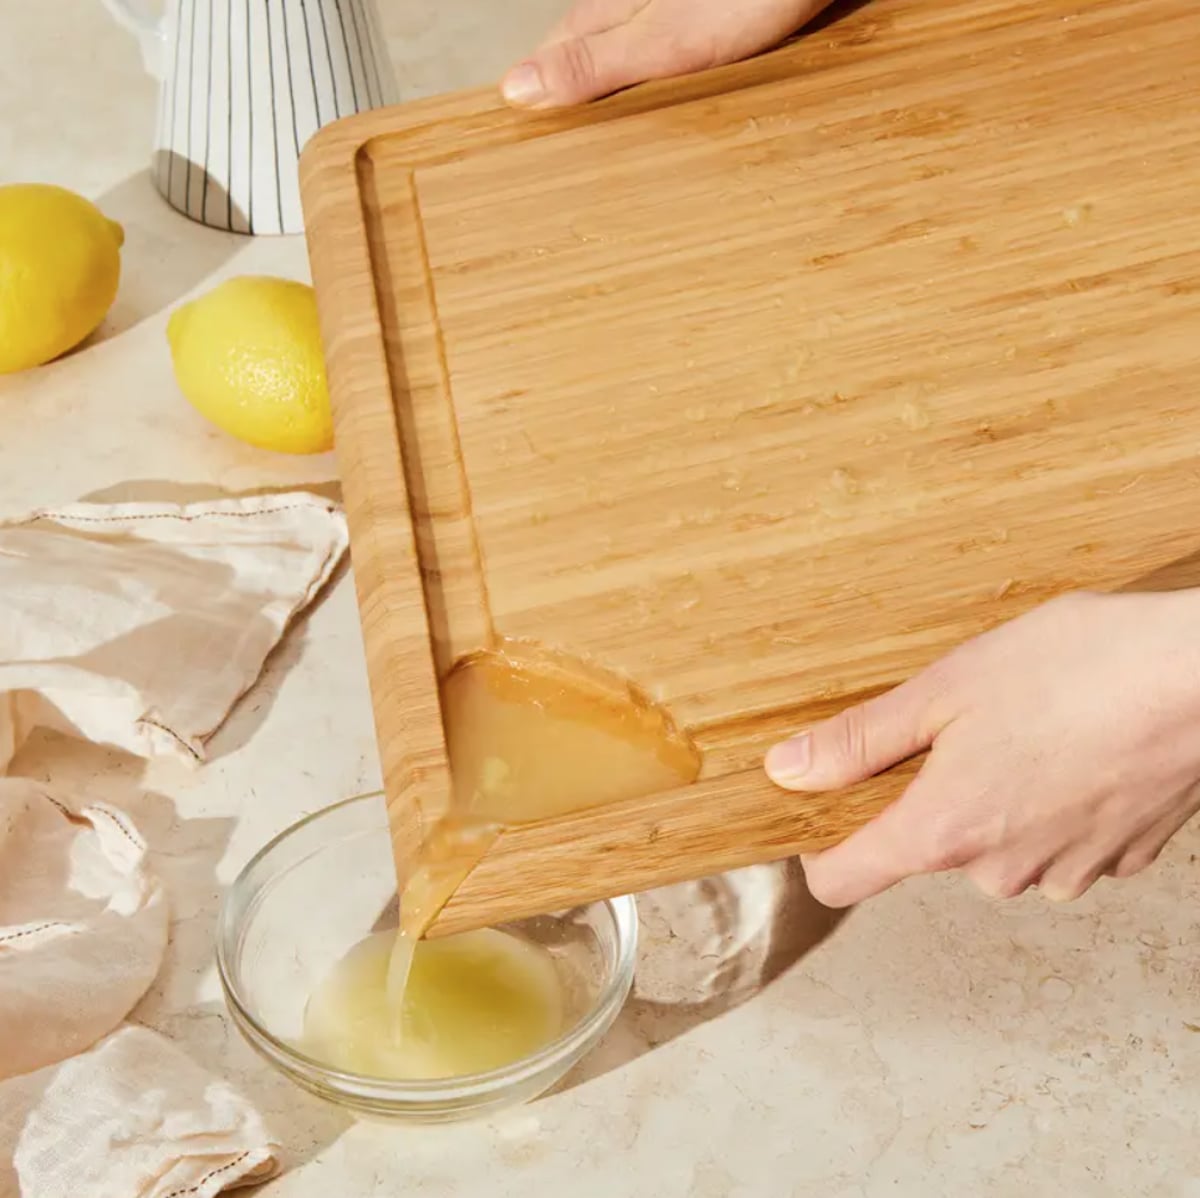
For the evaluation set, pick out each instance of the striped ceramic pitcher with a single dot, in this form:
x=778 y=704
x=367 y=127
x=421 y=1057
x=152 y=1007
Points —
x=244 y=84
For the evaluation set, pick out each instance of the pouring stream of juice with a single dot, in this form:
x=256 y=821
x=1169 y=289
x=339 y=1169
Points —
x=529 y=737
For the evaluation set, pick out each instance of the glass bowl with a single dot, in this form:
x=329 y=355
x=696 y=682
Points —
x=320 y=887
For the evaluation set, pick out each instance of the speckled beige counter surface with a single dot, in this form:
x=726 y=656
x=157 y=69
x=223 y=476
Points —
x=936 y=1043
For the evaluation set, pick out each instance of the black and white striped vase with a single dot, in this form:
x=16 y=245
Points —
x=244 y=84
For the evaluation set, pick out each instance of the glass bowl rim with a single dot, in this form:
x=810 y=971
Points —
x=622 y=910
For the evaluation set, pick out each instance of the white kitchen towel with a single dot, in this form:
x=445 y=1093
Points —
x=83 y=928
x=136 y=1118
x=139 y=625
x=83 y=925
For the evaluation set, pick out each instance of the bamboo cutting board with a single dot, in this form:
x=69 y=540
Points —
x=762 y=389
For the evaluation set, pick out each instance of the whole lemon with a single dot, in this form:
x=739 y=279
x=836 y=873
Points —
x=247 y=356
x=60 y=263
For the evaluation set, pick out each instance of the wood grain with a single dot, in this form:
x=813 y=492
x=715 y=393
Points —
x=763 y=388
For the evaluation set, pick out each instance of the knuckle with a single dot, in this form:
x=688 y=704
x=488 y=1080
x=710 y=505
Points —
x=1134 y=861
x=949 y=842
x=978 y=838
x=850 y=736
x=1069 y=887
x=942 y=848
x=1001 y=879
x=1010 y=888
x=575 y=63
x=1002 y=886
x=940 y=678
x=694 y=53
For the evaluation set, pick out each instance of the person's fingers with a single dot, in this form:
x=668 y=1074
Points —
x=1008 y=874
x=1080 y=866
x=1077 y=868
x=1072 y=875
x=602 y=46
x=577 y=69
x=593 y=16
x=1144 y=851
x=859 y=741
x=903 y=840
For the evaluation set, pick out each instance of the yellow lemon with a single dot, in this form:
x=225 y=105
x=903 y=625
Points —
x=60 y=263
x=247 y=356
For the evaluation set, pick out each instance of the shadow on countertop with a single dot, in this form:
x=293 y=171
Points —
x=706 y=948
x=165 y=255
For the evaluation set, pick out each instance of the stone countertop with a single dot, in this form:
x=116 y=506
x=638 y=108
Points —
x=937 y=1043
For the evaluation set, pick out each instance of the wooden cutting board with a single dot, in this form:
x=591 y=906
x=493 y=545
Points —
x=767 y=387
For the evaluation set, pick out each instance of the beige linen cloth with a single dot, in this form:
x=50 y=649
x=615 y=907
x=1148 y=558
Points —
x=136 y=626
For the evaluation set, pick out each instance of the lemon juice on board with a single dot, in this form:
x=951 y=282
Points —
x=528 y=736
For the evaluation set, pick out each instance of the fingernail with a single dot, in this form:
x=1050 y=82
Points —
x=523 y=86
x=791 y=760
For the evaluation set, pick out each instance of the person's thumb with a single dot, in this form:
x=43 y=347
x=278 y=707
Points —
x=577 y=69
x=856 y=743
